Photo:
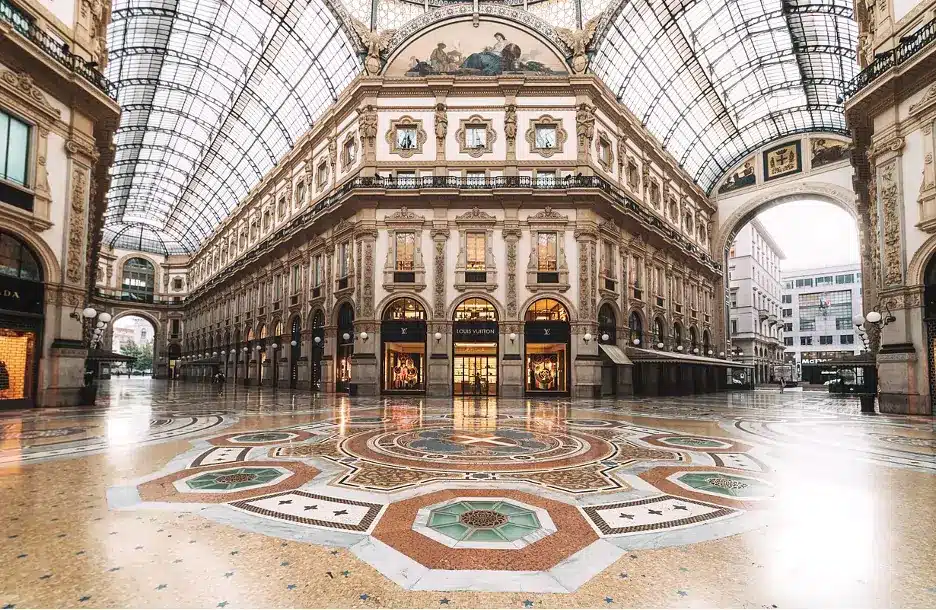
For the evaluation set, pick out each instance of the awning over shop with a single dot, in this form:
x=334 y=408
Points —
x=651 y=355
x=103 y=355
x=615 y=353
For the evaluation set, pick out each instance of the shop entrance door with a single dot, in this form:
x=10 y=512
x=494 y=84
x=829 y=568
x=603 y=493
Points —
x=475 y=375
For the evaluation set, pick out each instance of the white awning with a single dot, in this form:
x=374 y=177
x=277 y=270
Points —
x=615 y=353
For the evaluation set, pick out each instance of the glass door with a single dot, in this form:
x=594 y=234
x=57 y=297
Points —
x=475 y=375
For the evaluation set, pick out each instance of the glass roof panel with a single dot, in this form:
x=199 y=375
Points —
x=214 y=93
x=715 y=79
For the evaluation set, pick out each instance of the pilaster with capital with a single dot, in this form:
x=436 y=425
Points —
x=585 y=237
x=440 y=234
x=511 y=235
x=889 y=192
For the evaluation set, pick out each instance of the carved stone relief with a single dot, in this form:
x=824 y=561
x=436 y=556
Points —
x=76 y=227
x=890 y=205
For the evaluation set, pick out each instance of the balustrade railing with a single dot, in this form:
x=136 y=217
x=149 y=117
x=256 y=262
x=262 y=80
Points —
x=908 y=47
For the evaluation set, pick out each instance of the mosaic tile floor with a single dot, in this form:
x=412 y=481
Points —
x=175 y=495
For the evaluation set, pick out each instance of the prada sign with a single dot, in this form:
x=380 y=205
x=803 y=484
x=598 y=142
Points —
x=21 y=295
x=546 y=332
x=475 y=332
x=409 y=332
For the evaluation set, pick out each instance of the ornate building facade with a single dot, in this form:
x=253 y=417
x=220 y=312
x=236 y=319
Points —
x=446 y=234
x=891 y=109
x=57 y=118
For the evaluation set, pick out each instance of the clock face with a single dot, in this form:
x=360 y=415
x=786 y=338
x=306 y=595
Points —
x=545 y=137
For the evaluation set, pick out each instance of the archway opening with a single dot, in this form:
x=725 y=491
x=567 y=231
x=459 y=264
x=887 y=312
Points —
x=474 y=348
x=345 y=351
x=793 y=286
x=403 y=346
x=133 y=336
x=21 y=323
x=318 y=347
x=547 y=347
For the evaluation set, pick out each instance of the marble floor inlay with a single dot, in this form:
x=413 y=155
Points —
x=172 y=494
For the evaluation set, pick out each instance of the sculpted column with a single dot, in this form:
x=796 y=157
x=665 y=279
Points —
x=511 y=352
x=439 y=376
x=586 y=369
x=365 y=373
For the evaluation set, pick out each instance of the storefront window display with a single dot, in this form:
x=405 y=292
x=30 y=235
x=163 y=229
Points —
x=474 y=362
x=345 y=350
x=547 y=345
x=22 y=302
x=403 y=336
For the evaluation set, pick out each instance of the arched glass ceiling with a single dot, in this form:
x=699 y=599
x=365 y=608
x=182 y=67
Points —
x=715 y=79
x=214 y=93
x=140 y=238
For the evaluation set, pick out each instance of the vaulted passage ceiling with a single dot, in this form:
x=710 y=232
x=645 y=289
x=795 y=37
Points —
x=714 y=80
x=215 y=92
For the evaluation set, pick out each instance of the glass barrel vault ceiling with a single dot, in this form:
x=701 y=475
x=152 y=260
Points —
x=214 y=93
x=715 y=79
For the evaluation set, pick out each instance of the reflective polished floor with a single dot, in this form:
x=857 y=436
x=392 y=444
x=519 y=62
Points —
x=176 y=495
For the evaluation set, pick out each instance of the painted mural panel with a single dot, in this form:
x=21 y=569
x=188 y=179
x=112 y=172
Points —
x=826 y=150
x=488 y=49
x=740 y=178
x=783 y=160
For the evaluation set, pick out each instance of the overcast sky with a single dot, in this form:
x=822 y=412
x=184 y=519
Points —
x=812 y=234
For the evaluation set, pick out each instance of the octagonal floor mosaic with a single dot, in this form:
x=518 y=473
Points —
x=288 y=499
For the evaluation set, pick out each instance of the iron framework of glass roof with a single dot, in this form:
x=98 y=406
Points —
x=714 y=80
x=214 y=93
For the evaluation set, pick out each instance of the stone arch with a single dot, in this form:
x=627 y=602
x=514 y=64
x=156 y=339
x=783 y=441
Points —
x=337 y=308
x=450 y=311
x=823 y=191
x=619 y=320
x=573 y=315
x=916 y=270
x=51 y=272
x=140 y=314
x=393 y=296
x=157 y=278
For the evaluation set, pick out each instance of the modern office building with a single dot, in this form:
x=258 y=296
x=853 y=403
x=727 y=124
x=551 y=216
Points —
x=754 y=300
x=818 y=309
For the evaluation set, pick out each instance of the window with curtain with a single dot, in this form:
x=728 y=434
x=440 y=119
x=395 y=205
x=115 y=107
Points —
x=475 y=246
x=405 y=251
x=14 y=149
x=546 y=252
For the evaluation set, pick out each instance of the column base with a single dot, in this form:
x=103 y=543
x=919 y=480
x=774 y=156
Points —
x=905 y=404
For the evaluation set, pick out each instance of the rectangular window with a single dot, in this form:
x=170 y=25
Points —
x=174 y=327
x=847 y=339
x=406 y=178
x=608 y=259
x=475 y=178
x=545 y=179
x=545 y=136
x=824 y=280
x=318 y=270
x=734 y=327
x=843 y=323
x=809 y=324
x=406 y=137
x=787 y=298
x=475 y=136
x=788 y=285
x=546 y=251
x=277 y=287
x=787 y=313
x=405 y=251
x=295 y=279
x=825 y=339
x=14 y=149
x=350 y=153
x=788 y=327
x=847 y=278
x=634 y=272
x=344 y=259
x=788 y=341
x=476 y=250
x=805 y=340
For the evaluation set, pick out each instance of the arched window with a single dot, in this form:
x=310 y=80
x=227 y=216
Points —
x=475 y=310
x=929 y=280
x=139 y=280
x=635 y=324
x=693 y=338
x=677 y=333
x=404 y=309
x=607 y=324
x=659 y=332
x=17 y=260
x=546 y=309
x=278 y=329
x=706 y=342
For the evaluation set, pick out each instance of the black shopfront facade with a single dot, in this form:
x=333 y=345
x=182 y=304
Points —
x=22 y=305
x=547 y=347
x=403 y=345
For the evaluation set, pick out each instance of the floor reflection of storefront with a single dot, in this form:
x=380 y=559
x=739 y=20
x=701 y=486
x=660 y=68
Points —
x=22 y=297
x=345 y=348
x=546 y=344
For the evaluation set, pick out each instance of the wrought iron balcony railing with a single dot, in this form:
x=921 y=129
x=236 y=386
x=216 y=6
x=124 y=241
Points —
x=908 y=47
x=57 y=50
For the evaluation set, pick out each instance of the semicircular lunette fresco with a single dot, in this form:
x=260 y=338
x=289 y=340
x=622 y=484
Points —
x=460 y=48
